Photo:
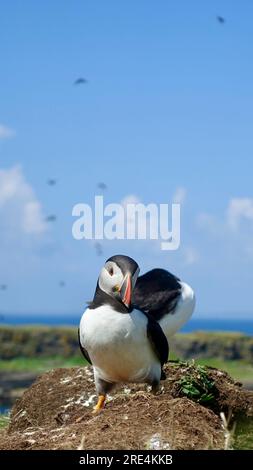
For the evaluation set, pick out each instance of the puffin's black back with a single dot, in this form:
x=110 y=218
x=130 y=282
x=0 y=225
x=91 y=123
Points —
x=156 y=292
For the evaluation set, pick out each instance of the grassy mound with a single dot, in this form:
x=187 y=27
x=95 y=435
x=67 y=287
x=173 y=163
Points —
x=56 y=412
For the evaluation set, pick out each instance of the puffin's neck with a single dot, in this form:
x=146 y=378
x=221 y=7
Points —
x=102 y=298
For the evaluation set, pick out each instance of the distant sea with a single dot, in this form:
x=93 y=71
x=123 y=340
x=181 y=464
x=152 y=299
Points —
x=195 y=324
x=4 y=409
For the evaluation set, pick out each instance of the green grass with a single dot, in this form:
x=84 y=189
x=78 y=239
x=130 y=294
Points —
x=243 y=438
x=4 y=421
x=23 y=364
x=239 y=370
x=211 y=334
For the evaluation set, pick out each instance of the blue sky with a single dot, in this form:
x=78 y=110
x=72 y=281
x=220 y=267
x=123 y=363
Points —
x=168 y=105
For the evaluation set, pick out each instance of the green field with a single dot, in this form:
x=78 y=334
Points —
x=4 y=421
x=239 y=370
x=23 y=364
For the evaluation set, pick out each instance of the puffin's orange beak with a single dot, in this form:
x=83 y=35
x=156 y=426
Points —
x=126 y=291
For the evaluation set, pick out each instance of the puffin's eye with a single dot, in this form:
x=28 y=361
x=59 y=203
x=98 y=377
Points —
x=111 y=271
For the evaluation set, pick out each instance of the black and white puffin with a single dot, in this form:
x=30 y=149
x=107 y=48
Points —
x=125 y=330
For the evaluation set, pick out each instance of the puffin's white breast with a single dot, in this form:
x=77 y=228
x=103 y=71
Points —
x=118 y=345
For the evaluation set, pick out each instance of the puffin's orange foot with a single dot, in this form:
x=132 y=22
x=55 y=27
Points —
x=100 y=404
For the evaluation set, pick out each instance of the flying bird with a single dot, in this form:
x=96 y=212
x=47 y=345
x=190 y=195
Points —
x=3 y=287
x=125 y=330
x=99 y=249
x=62 y=283
x=220 y=19
x=80 y=81
x=51 y=182
x=51 y=218
x=102 y=186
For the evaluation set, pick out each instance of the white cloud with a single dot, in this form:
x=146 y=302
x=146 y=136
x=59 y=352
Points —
x=32 y=218
x=13 y=185
x=19 y=206
x=234 y=228
x=179 y=195
x=6 y=132
x=191 y=256
x=239 y=209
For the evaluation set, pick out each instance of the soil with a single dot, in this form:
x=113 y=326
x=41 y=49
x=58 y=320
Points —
x=56 y=413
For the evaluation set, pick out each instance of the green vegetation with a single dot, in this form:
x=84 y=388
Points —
x=38 y=364
x=40 y=348
x=221 y=345
x=243 y=437
x=196 y=384
x=35 y=341
x=4 y=421
x=45 y=341
x=239 y=370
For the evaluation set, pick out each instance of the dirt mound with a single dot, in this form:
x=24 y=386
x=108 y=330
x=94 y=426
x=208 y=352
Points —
x=56 y=412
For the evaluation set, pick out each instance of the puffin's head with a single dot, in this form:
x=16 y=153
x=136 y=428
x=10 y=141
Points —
x=118 y=277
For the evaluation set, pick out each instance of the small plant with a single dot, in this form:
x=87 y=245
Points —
x=243 y=436
x=4 y=421
x=197 y=385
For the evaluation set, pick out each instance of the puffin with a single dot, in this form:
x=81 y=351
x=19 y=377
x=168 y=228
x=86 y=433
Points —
x=125 y=331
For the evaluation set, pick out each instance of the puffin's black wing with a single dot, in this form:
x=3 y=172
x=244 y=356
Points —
x=156 y=293
x=83 y=350
x=158 y=341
